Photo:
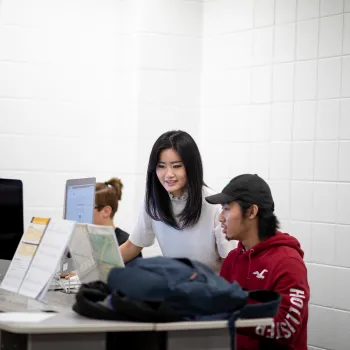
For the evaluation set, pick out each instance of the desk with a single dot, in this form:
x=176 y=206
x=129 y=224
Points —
x=66 y=330
x=69 y=331
x=203 y=335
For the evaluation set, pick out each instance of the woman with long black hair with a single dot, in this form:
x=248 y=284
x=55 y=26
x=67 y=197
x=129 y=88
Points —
x=175 y=210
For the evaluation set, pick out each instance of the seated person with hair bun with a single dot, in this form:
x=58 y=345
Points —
x=107 y=197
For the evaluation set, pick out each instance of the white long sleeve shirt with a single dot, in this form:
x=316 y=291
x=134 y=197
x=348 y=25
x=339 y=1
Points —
x=203 y=242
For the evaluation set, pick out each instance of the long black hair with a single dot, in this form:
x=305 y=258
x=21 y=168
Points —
x=158 y=203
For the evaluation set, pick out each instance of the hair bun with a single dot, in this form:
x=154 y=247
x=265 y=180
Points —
x=117 y=185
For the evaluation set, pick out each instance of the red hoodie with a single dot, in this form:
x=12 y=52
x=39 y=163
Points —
x=276 y=264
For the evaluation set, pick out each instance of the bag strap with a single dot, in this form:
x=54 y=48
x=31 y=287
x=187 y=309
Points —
x=269 y=302
x=267 y=306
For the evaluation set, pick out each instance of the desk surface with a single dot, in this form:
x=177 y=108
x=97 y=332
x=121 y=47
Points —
x=178 y=326
x=70 y=322
x=67 y=321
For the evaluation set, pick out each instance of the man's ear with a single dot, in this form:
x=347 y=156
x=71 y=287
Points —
x=253 y=211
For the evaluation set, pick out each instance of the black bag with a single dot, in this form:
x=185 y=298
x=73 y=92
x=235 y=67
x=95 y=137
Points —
x=163 y=289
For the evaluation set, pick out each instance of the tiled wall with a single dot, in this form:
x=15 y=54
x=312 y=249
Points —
x=167 y=36
x=264 y=86
x=63 y=99
x=87 y=86
x=276 y=101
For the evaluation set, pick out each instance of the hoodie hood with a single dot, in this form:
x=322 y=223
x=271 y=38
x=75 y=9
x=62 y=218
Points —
x=279 y=239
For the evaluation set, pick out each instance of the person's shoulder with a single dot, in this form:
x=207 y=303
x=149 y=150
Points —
x=121 y=236
x=289 y=261
x=213 y=210
x=232 y=254
x=207 y=191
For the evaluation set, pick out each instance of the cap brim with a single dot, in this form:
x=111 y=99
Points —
x=220 y=198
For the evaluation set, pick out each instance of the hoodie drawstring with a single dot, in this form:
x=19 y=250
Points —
x=250 y=260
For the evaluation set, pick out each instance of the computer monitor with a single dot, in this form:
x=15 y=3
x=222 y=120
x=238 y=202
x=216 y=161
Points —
x=11 y=217
x=79 y=206
x=80 y=200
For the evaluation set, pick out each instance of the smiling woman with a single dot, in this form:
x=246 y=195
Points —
x=174 y=209
x=171 y=172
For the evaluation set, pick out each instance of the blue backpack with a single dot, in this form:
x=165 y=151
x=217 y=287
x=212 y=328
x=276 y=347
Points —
x=164 y=289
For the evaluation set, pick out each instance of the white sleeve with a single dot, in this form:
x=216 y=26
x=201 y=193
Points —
x=143 y=234
x=224 y=246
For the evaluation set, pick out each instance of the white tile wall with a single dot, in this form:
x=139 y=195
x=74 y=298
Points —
x=89 y=90
x=264 y=13
x=346 y=36
x=304 y=121
x=284 y=49
x=326 y=160
x=281 y=121
x=263 y=46
x=285 y=11
x=324 y=193
x=308 y=9
x=331 y=7
x=283 y=82
x=301 y=199
x=321 y=327
x=345 y=120
x=307 y=39
x=343 y=209
x=327 y=120
x=343 y=164
x=262 y=84
x=329 y=77
x=305 y=80
x=302 y=160
x=345 y=85
x=331 y=38
x=303 y=47
x=60 y=89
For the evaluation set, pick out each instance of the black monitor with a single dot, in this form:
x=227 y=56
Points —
x=11 y=217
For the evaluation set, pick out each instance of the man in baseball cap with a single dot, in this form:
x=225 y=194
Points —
x=265 y=258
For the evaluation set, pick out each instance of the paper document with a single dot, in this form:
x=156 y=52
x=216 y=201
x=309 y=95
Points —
x=24 y=254
x=48 y=255
x=94 y=251
x=24 y=317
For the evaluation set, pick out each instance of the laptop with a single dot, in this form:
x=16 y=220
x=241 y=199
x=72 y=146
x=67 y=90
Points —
x=11 y=217
x=79 y=206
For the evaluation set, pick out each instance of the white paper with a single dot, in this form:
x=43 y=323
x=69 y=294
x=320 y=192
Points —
x=46 y=259
x=23 y=257
x=25 y=317
x=94 y=251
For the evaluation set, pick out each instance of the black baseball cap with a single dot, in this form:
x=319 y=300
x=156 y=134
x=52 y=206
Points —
x=249 y=188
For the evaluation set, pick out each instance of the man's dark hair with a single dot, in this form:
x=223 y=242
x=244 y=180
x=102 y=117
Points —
x=268 y=223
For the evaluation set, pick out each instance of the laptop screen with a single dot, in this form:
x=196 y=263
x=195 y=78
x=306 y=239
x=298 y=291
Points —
x=11 y=217
x=80 y=200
